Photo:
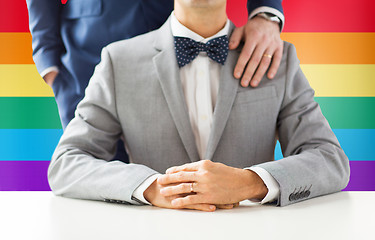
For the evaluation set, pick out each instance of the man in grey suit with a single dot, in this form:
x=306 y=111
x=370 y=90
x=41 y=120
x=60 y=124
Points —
x=171 y=96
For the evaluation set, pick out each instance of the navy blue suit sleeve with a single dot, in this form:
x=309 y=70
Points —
x=44 y=24
x=253 y=4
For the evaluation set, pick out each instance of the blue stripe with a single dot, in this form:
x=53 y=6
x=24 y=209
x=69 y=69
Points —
x=28 y=144
x=39 y=144
x=358 y=144
x=278 y=152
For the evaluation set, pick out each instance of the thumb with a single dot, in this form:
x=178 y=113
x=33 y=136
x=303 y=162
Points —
x=236 y=37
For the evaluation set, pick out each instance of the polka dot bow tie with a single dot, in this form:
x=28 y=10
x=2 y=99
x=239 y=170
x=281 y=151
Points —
x=187 y=49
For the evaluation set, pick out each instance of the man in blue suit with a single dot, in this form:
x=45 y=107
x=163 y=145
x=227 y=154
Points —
x=68 y=38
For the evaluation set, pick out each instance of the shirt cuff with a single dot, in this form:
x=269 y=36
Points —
x=274 y=11
x=138 y=192
x=270 y=182
x=48 y=70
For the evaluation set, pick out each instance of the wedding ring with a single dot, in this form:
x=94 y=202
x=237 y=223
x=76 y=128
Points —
x=267 y=55
x=191 y=187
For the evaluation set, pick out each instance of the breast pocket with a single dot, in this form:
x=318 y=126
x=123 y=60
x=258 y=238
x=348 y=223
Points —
x=82 y=8
x=255 y=95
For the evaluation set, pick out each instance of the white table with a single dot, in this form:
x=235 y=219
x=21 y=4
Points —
x=43 y=216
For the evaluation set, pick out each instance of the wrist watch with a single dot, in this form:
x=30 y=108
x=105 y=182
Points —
x=269 y=16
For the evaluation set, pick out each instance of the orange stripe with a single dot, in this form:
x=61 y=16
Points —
x=333 y=48
x=15 y=48
x=312 y=48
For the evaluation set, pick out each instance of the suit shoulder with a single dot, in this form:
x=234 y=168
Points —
x=290 y=50
x=140 y=44
x=289 y=58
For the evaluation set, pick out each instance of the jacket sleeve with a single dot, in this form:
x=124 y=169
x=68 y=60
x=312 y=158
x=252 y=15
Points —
x=254 y=4
x=270 y=6
x=44 y=24
x=314 y=164
x=81 y=166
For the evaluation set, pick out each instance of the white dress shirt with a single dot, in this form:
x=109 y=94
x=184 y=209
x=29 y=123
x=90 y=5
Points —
x=200 y=83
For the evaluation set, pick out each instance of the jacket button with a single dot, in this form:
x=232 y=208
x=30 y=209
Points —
x=304 y=194
x=292 y=197
x=300 y=195
x=308 y=193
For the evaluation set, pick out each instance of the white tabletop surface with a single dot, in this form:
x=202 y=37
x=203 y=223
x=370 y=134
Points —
x=42 y=216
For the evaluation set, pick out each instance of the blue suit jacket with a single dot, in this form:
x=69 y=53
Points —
x=71 y=37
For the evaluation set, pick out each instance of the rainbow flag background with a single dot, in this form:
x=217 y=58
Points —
x=335 y=42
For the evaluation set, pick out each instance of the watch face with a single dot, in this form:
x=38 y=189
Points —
x=275 y=19
x=270 y=17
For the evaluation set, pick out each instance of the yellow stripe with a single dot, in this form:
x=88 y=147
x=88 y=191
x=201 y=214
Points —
x=328 y=80
x=341 y=80
x=22 y=80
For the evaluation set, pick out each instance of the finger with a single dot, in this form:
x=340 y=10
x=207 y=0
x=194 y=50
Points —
x=188 y=200
x=201 y=207
x=262 y=68
x=186 y=167
x=225 y=206
x=195 y=166
x=179 y=177
x=182 y=188
x=253 y=64
x=243 y=59
x=276 y=59
x=236 y=37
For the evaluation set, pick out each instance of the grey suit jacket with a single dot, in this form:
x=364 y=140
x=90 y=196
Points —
x=136 y=93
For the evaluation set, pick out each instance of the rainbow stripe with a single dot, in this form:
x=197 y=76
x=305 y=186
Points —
x=357 y=144
x=336 y=54
x=312 y=48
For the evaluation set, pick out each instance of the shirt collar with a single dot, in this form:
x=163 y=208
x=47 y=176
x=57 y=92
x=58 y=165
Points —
x=179 y=30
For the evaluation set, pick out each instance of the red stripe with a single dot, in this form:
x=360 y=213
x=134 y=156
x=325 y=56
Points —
x=13 y=16
x=237 y=11
x=329 y=15
x=317 y=15
x=301 y=16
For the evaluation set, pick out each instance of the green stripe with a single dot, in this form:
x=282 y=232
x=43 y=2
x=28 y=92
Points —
x=41 y=112
x=348 y=112
x=29 y=113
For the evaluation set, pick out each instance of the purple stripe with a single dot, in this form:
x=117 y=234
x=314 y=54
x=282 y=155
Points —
x=32 y=176
x=362 y=176
x=24 y=176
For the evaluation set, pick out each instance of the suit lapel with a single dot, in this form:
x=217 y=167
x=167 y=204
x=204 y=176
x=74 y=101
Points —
x=227 y=93
x=169 y=77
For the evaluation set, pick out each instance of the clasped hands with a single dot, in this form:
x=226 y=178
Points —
x=215 y=186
